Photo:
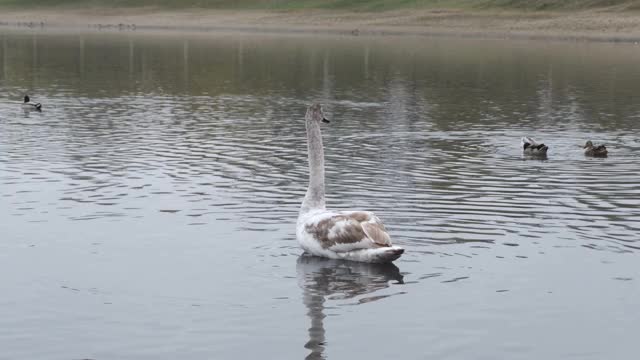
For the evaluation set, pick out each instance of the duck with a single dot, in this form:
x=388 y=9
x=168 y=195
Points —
x=594 y=150
x=347 y=235
x=29 y=105
x=533 y=148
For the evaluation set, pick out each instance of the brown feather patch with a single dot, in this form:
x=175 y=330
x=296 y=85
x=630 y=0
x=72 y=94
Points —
x=376 y=233
x=359 y=216
x=351 y=231
x=349 y=228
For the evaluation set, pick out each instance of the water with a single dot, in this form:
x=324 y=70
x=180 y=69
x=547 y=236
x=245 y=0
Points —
x=148 y=212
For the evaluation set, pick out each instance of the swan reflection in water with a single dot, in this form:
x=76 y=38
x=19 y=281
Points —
x=327 y=279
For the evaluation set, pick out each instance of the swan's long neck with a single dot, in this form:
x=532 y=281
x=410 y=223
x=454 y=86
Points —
x=314 y=199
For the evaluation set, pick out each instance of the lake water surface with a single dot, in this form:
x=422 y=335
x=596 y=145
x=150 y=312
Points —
x=148 y=212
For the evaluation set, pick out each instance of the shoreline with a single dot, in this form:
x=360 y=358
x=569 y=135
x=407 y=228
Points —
x=591 y=25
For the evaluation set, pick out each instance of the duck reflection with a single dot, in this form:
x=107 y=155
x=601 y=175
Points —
x=327 y=279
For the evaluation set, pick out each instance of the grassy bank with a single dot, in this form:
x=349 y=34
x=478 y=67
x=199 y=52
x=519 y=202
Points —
x=351 y=5
x=597 y=20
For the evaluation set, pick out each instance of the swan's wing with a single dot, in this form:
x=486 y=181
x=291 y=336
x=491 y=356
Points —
x=376 y=233
x=349 y=231
x=372 y=227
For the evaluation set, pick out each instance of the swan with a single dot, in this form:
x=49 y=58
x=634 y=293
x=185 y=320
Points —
x=595 y=150
x=29 y=105
x=533 y=148
x=347 y=235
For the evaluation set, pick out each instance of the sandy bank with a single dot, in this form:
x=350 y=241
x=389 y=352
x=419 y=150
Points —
x=585 y=25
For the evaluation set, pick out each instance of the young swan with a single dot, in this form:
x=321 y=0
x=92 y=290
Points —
x=595 y=150
x=532 y=148
x=348 y=235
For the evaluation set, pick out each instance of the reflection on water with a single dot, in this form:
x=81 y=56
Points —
x=161 y=161
x=325 y=280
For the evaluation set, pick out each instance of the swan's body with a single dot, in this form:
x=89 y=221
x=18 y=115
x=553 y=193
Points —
x=30 y=105
x=348 y=235
x=532 y=148
x=595 y=150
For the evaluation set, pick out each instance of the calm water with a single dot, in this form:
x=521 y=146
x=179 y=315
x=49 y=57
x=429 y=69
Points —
x=148 y=212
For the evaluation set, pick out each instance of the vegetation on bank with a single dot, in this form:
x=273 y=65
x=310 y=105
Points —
x=353 y=5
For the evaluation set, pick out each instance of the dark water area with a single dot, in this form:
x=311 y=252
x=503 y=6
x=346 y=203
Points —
x=148 y=212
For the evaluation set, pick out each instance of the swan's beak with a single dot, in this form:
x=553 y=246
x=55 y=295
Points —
x=325 y=120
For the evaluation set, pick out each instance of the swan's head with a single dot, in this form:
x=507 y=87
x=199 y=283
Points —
x=315 y=113
x=26 y=99
x=588 y=144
